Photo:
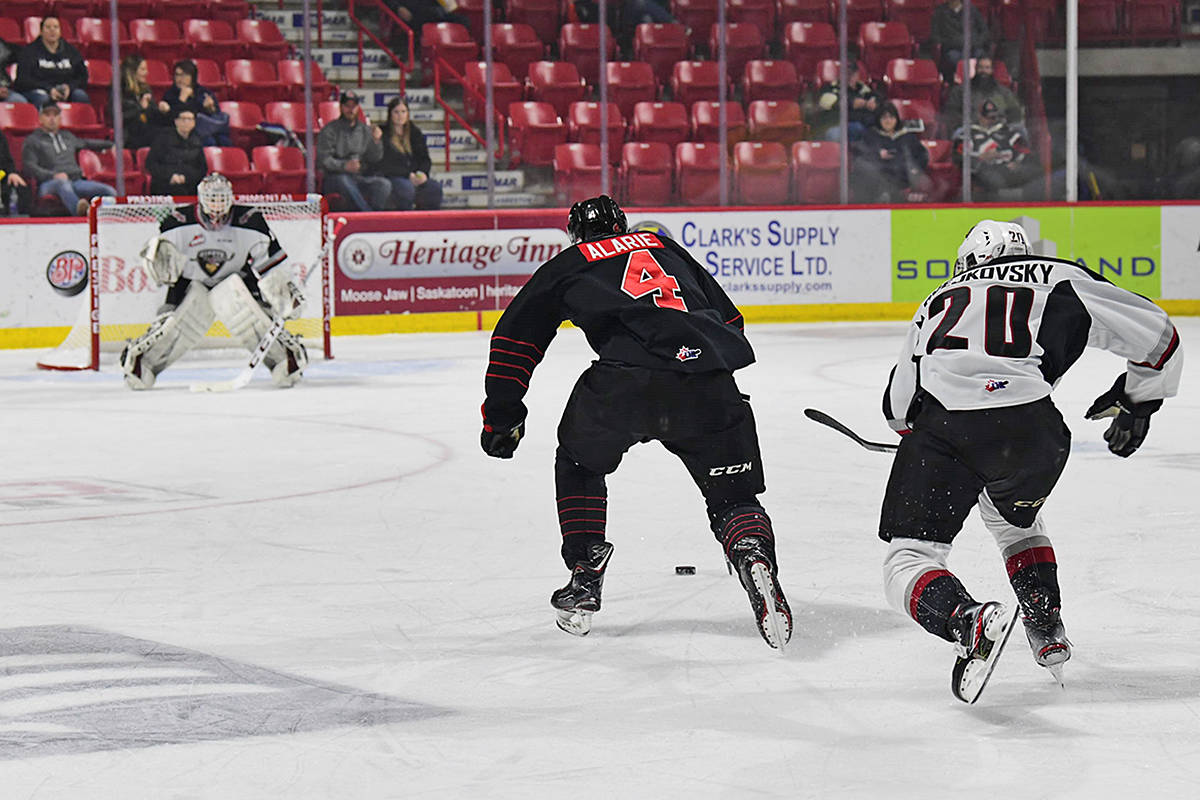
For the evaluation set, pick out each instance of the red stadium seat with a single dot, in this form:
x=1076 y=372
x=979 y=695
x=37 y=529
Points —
x=760 y=13
x=208 y=75
x=776 y=121
x=158 y=38
x=472 y=12
x=32 y=28
x=661 y=122
x=101 y=166
x=81 y=120
x=583 y=125
x=742 y=43
x=534 y=130
x=917 y=79
x=263 y=38
x=580 y=44
x=1152 y=20
x=18 y=119
x=645 y=175
x=216 y=39
x=706 y=122
x=541 y=15
x=449 y=41
x=291 y=75
x=233 y=164
x=630 y=83
x=760 y=173
x=912 y=111
x=804 y=11
x=660 y=45
x=99 y=85
x=20 y=9
x=253 y=81
x=505 y=88
x=808 y=43
x=131 y=9
x=858 y=13
x=181 y=10
x=283 y=169
x=880 y=42
x=816 y=171
x=1099 y=21
x=916 y=14
x=517 y=46
x=70 y=12
x=945 y=175
x=698 y=16
x=1042 y=18
x=244 y=118
x=696 y=80
x=158 y=75
x=557 y=83
x=770 y=80
x=829 y=71
x=93 y=37
x=698 y=173
x=227 y=10
x=289 y=114
x=577 y=172
x=10 y=31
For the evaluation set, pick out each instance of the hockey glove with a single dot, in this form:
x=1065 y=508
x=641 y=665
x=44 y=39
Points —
x=1131 y=421
x=501 y=444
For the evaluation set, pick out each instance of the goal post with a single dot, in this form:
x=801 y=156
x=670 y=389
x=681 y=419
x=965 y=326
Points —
x=122 y=301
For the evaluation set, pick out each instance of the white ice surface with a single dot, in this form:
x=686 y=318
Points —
x=345 y=554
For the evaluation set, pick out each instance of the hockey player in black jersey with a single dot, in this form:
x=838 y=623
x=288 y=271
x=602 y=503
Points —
x=668 y=340
x=971 y=396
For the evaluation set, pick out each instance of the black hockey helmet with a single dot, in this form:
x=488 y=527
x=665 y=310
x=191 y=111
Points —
x=595 y=218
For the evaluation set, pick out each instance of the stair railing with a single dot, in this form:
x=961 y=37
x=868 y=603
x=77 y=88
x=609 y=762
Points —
x=406 y=67
x=439 y=65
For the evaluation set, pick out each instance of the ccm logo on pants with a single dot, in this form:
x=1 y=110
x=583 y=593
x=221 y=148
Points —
x=732 y=469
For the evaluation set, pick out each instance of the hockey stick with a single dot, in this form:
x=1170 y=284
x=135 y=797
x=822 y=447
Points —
x=825 y=419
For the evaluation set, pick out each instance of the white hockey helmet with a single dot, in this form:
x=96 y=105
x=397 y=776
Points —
x=989 y=240
x=215 y=194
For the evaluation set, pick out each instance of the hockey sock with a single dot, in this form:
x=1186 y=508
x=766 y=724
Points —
x=734 y=523
x=1033 y=573
x=582 y=498
x=933 y=599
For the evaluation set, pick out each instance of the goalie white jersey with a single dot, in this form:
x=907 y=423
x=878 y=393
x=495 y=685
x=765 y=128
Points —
x=1004 y=333
x=245 y=244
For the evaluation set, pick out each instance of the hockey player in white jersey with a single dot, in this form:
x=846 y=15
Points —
x=219 y=261
x=970 y=395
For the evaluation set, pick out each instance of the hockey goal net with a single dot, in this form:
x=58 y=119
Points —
x=121 y=301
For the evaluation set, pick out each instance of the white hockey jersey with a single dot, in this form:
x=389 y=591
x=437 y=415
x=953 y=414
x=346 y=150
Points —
x=246 y=243
x=1004 y=333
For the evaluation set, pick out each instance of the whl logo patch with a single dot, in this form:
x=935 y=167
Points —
x=994 y=385
x=688 y=353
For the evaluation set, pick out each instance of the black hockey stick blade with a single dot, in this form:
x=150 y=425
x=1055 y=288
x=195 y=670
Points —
x=825 y=419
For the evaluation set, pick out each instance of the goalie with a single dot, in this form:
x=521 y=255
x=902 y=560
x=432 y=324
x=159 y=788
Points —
x=218 y=261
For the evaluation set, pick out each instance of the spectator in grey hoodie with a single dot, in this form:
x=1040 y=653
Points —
x=344 y=147
x=50 y=69
x=50 y=157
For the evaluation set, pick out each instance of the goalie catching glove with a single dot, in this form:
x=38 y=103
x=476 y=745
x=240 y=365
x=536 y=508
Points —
x=1131 y=420
x=280 y=293
x=161 y=260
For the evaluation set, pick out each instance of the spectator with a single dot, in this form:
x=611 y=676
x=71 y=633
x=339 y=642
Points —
x=984 y=87
x=1000 y=154
x=11 y=181
x=416 y=14
x=889 y=162
x=50 y=157
x=176 y=159
x=344 y=146
x=405 y=161
x=212 y=124
x=947 y=34
x=50 y=69
x=865 y=103
x=9 y=53
x=141 y=116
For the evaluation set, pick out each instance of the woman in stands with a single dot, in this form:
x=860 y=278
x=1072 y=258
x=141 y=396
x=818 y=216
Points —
x=212 y=126
x=143 y=120
x=406 y=162
x=890 y=163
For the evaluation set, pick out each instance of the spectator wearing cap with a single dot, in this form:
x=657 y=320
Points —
x=51 y=69
x=50 y=156
x=1000 y=154
x=345 y=146
x=176 y=159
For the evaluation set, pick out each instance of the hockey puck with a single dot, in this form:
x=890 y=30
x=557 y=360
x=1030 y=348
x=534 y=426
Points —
x=685 y=570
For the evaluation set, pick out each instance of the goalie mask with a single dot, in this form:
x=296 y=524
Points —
x=990 y=240
x=215 y=194
x=595 y=218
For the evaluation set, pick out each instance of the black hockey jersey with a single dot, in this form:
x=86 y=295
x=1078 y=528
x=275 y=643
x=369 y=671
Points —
x=1004 y=333
x=639 y=298
x=247 y=245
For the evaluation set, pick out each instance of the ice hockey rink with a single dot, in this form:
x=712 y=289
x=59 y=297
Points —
x=331 y=592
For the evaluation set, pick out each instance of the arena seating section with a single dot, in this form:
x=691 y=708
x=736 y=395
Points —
x=663 y=116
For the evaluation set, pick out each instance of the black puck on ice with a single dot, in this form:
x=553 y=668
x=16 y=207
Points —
x=683 y=569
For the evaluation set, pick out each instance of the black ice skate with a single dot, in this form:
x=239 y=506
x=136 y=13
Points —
x=1051 y=647
x=580 y=598
x=752 y=558
x=980 y=632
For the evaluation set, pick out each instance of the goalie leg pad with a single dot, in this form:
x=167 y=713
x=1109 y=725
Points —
x=288 y=370
x=248 y=322
x=168 y=338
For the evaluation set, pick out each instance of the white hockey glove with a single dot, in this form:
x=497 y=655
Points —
x=161 y=261
x=281 y=293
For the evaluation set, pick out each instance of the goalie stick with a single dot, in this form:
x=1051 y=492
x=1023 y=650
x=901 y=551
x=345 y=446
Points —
x=825 y=419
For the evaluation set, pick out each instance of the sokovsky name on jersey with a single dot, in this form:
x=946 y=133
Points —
x=1016 y=273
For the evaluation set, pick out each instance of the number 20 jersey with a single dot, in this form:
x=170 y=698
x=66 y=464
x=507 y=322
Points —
x=1004 y=333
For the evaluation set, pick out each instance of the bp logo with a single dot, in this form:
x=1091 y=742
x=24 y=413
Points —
x=357 y=256
x=67 y=272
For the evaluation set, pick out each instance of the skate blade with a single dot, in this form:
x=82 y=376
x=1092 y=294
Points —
x=1057 y=671
x=970 y=679
x=576 y=623
x=776 y=627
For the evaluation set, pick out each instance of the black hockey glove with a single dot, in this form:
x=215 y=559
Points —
x=501 y=443
x=1131 y=420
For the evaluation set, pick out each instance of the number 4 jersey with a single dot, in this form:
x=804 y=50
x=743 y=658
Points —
x=640 y=299
x=1004 y=333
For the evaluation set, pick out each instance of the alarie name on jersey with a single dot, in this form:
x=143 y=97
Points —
x=607 y=248
x=1017 y=273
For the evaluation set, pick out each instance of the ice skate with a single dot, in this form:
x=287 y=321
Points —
x=980 y=631
x=1051 y=647
x=752 y=559
x=580 y=598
